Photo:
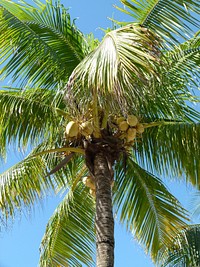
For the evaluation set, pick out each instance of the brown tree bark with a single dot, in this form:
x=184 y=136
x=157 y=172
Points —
x=104 y=221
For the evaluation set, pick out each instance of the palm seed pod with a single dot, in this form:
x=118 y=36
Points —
x=132 y=120
x=131 y=134
x=72 y=129
x=86 y=128
x=123 y=126
x=140 y=128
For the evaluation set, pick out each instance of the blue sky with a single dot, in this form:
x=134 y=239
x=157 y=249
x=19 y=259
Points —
x=19 y=245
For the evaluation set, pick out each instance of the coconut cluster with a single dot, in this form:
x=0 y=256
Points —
x=75 y=129
x=129 y=128
x=126 y=129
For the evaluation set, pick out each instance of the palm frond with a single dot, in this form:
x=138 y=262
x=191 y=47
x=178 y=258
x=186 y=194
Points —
x=62 y=178
x=184 y=251
x=147 y=208
x=172 y=150
x=69 y=237
x=29 y=180
x=184 y=63
x=126 y=60
x=29 y=116
x=22 y=185
x=171 y=20
x=36 y=39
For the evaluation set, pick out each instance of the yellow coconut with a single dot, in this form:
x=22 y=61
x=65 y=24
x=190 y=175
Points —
x=131 y=134
x=72 y=129
x=89 y=182
x=123 y=126
x=132 y=120
x=140 y=128
x=86 y=128
x=119 y=120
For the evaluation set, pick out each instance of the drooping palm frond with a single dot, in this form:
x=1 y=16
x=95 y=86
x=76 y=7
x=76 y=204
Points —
x=184 y=251
x=175 y=96
x=32 y=175
x=184 y=63
x=69 y=237
x=171 y=20
x=38 y=38
x=22 y=185
x=147 y=208
x=29 y=116
x=172 y=150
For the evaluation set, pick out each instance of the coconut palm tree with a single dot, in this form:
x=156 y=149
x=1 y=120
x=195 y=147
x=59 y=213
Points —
x=102 y=120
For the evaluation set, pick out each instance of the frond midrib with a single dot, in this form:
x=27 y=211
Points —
x=58 y=33
x=54 y=55
x=40 y=103
x=145 y=20
x=153 y=208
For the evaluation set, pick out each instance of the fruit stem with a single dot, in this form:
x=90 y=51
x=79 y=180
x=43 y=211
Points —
x=105 y=119
x=95 y=113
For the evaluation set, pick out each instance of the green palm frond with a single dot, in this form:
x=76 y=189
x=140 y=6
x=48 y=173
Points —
x=28 y=181
x=36 y=39
x=172 y=150
x=22 y=185
x=172 y=20
x=29 y=116
x=184 y=251
x=69 y=237
x=149 y=210
x=124 y=62
x=53 y=156
x=184 y=63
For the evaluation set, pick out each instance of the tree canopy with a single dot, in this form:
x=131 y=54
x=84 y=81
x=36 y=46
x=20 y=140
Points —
x=147 y=68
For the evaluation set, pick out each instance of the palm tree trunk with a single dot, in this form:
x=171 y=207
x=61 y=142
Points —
x=104 y=221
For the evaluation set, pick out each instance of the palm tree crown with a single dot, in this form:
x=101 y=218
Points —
x=124 y=103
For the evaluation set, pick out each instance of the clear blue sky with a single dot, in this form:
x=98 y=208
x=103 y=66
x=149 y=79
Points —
x=19 y=245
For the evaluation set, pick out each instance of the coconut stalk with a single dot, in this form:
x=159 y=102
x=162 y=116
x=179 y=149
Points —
x=96 y=114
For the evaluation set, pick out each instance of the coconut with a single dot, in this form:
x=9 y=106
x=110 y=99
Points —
x=140 y=128
x=131 y=134
x=72 y=129
x=89 y=182
x=132 y=120
x=86 y=128
x=119 y=120
x=123 y=126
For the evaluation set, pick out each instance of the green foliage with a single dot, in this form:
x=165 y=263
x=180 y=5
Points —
x=171 y=20
x=62 y=244
x=141 y=69
x=28 y=116
x=185 y=249
x=36 y=39
x=172 y=150
x=147 y=207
